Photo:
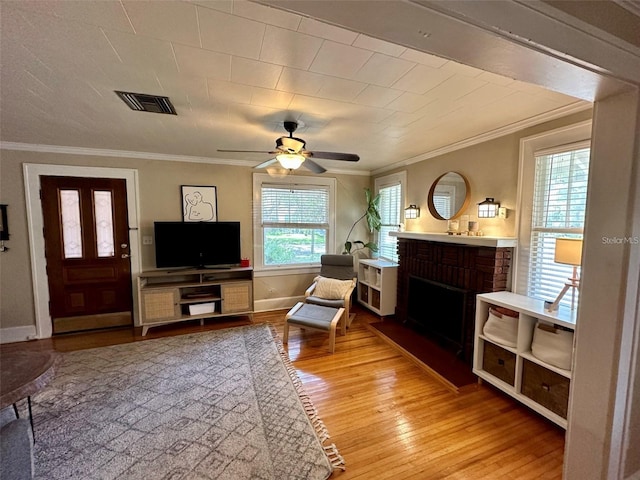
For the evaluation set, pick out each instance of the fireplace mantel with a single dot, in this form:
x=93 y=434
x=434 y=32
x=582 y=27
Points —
x=495 y=242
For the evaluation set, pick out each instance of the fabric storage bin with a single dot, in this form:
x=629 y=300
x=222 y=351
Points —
x=364 y=293
x=502 y=326
x=549 y=389
x=369 y=275
x=499 y=362
x=552 y=345
x=200 y=308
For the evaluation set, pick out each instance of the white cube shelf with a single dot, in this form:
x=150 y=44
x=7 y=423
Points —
x=516 y=371
x=377 y=285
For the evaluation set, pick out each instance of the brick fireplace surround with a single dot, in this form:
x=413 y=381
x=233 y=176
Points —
x=481 y=265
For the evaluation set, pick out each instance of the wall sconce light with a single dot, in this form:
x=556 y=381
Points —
x=488 y=208
x=412 y=212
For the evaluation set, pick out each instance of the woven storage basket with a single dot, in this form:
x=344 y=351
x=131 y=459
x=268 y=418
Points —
x=553 y=345
x=502 y=326
x=545 y=387
x=499 y=362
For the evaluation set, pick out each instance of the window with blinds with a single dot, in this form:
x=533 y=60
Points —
x=559 y=203
x=294 y=223
x=391 y=213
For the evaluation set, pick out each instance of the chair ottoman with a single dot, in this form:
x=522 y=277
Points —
x=314 y=317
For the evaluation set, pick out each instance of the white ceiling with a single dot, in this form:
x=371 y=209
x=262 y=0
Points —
x=235 y=70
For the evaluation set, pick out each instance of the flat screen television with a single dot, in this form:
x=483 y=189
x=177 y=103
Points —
x=197 y=244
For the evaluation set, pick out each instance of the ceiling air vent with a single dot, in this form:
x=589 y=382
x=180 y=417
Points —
x=147 y=103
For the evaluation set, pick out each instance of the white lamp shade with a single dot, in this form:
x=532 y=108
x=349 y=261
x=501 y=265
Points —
x=290 y=161
x=568 y=251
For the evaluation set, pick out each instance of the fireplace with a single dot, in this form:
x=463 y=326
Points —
x=438 y=311
x=438 y=279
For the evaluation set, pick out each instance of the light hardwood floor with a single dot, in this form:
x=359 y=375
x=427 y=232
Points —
x=388 y=417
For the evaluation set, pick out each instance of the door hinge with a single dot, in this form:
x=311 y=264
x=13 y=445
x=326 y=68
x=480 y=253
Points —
x=40 y=193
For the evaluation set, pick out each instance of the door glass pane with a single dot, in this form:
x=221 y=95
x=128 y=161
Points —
x=71 y=227
x=103 y=213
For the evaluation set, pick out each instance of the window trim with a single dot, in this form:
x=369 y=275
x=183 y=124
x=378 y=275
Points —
x=290 y=180
x=577 y=135
x=388 y=181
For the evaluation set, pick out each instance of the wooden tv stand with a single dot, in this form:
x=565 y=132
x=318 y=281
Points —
x=168 y=296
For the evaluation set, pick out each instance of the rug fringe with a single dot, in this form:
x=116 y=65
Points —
x=331 y=451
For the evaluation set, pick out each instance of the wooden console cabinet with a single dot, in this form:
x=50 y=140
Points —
x=168 y=296
x=516 y=371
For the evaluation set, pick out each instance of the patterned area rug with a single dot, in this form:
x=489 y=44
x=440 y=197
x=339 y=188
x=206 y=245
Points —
x=224 y=404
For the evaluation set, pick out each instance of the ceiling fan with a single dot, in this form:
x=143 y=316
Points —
x=291 y=154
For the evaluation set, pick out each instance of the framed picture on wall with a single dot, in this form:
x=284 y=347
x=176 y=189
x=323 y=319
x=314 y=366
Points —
x=199 y=203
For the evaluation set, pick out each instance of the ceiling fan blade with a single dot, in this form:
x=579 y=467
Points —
x=266 y=164
x=348 y=157
x=313 y=166
x=247 y=151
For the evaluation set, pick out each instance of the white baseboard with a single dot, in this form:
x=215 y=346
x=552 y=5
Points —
x=17 y=334
x=276 y=303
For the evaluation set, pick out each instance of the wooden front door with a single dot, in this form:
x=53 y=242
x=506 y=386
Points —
x=87 y=251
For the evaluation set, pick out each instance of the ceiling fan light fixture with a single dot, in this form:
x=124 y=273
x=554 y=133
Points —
x=290 y=161
x=291 y=154
x=290 y=144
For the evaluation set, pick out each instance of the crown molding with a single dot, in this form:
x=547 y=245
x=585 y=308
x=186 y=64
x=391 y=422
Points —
x=567 y=110
x=102 y=152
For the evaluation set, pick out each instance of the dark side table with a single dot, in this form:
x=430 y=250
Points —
x=22 y=374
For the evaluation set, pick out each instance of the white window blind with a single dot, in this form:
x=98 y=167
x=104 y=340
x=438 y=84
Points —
x=390 y=211
x=559 y=202
x=391 y=208
x=295 y=223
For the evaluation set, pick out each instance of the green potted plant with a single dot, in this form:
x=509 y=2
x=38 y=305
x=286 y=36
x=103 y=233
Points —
x=372 y=215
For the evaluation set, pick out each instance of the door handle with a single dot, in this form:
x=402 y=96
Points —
x=125 y=255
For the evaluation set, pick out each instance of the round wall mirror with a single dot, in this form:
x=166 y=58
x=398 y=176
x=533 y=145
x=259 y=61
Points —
x=449 y=196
